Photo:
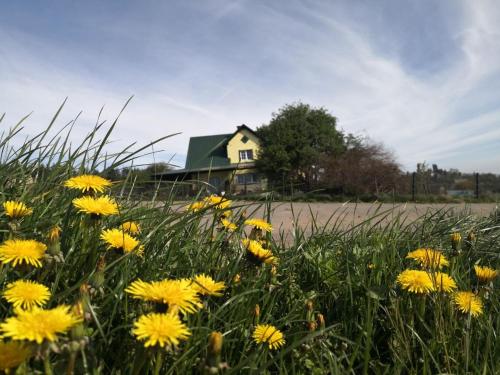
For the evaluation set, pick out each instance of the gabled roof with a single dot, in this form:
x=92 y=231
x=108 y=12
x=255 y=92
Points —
x=207 y=151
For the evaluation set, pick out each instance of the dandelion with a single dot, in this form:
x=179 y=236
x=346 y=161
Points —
x=160 y=329
x=26 y=294
x=54 y=234
x=270 y=335
x=443 y=282
x=415 y=281
x=217 y=202
x=258 y=253
x=101 y=206
x=230 y=226
x=215 y=341
x=259 y=224
x=485 y=274
x=118 y=239
x=456 y=239
x=88 y=182
x=22 y=251
x=131 y=227
x=176 y=294
x=468 y=303
x=196 y=206
x=205 y=285
x=16 y=210
x=12 y=354
x=38 y=324
x=429 y=258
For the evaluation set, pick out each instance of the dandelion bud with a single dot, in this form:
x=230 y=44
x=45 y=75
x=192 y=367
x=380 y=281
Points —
x=101 y=264
x=84 y=289
x=321 y=321
x=78 y=309
x=54 y=234
x=311 y=326
x=456 y=239
x=256 y=314
x=309 y=305
x=237 y=278
x=471 y=237
x=215 y=343
x=274 y=270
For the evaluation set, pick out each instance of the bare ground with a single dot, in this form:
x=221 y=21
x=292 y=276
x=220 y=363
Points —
x=344 y=215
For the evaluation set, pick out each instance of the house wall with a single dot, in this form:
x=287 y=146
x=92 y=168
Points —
x=235 y=144
x=260 y=185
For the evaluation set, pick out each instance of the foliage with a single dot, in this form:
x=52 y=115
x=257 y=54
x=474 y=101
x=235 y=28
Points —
x=294 y=140
x=331 y=293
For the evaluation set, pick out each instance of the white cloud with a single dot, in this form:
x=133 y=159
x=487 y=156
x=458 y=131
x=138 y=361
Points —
x=275 y=56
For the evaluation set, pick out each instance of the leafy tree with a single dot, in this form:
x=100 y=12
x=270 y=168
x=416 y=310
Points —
x=295 y=140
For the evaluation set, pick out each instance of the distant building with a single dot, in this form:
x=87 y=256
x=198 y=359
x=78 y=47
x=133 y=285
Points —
x=226 y=162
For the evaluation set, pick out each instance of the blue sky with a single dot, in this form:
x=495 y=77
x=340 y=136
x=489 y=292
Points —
x=421 y=76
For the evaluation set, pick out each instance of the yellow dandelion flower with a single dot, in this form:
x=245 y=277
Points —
x=38 y=324
x=258 y=253
x=468 y=303
x=131 y=227
x=259 y=224
x=118 y=239
x=88 y=182
x=230 y=226
x=429 y=258
x=415 y=281
x=217 y=202
x=96 y=206
x=176 y=294
x=26 y=294
x=16 y=210
x=268 y=334
x=12 y=354
x=443 y=282
x=485 y=274
x=22 y=251
x=205 y=285
x=160 y=329
x=196 y=206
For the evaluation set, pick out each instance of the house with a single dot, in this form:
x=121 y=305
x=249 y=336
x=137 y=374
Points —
x=226 y=162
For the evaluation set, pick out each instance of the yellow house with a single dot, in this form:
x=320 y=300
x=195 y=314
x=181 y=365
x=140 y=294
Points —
x=223 y=162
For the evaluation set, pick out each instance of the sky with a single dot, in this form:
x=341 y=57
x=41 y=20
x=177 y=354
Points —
x=423 y=77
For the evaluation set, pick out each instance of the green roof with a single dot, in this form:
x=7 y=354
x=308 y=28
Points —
x=208 y=151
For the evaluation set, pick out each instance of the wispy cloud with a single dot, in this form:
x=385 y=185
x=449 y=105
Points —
x=201 y=69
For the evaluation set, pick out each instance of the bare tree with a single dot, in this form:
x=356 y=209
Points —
x=365 y=167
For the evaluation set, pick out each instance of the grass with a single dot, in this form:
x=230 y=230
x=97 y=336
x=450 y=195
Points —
x=348 y=276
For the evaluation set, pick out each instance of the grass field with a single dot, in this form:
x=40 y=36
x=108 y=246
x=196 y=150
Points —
x=320 y=301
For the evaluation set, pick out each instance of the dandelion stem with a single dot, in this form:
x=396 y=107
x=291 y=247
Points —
x=158 y=362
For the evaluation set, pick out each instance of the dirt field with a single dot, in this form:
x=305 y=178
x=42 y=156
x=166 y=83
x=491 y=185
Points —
x=348 y=214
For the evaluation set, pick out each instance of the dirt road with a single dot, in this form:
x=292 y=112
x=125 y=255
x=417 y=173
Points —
x=347 y=214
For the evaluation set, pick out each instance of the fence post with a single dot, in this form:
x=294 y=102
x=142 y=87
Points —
x=413 y=185
x=477 y=185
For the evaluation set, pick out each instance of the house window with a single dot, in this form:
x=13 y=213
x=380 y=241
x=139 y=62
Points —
x=244 y=139
x=246 y=178
x=246 y=154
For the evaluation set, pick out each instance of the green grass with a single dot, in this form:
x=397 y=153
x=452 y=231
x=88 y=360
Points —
x=372 y=326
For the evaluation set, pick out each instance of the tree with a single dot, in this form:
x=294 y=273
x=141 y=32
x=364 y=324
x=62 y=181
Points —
x=294 y=141
x=365 y=167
